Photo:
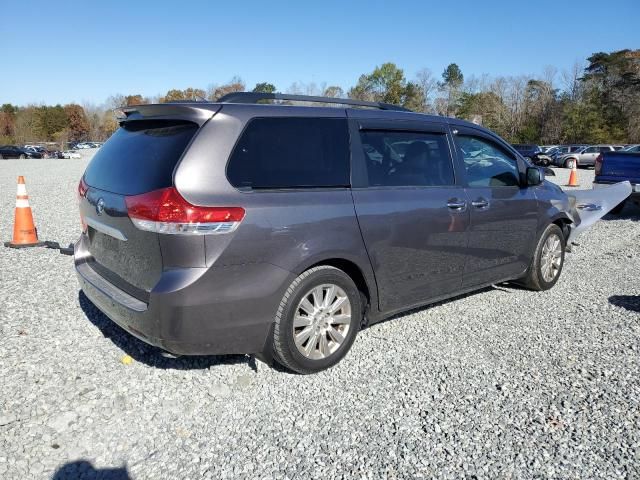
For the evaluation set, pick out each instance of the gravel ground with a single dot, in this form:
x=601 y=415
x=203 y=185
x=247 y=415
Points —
x=504 y=383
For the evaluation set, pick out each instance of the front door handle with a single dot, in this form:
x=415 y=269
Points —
x=480 y=203
x=456 y=204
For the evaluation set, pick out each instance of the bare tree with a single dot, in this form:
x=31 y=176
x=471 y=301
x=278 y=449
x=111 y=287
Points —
x=514 y=101
x=116 y=101
x=429 y=87
x=549 y=75
x=236 y=84
x=571 y=80
x=333 y=91
x=95 y=115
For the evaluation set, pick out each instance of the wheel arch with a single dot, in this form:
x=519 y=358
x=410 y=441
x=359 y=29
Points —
x=564 y=222
x=364 y=280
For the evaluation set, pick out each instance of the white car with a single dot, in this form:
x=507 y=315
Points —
x=70 y=154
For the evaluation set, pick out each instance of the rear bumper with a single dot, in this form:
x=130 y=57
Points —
x=194 y=311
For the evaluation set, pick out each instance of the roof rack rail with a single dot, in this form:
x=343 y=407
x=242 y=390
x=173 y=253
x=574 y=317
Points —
x=254 y=97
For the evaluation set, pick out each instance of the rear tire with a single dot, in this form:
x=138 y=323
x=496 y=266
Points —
x=618 y=208
x=548 y=260
x=317 y=320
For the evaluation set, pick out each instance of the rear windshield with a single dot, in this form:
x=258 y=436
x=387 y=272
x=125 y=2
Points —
x=291 y=153
x=139 y=157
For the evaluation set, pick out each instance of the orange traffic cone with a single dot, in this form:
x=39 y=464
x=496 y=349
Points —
x=25 y=233
x=573 y=178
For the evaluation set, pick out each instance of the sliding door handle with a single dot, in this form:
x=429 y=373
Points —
x=455 y=204
x=480 y=203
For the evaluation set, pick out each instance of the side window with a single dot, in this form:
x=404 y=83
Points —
x=591 y=150
x=412 y=159
x=604 y=149
x=291 y=153
x=486 y=163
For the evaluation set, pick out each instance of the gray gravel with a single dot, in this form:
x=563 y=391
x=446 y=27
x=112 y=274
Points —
x=504 y=383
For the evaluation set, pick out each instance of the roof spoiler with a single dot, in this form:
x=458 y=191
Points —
x=255 y=97
x=192 y=112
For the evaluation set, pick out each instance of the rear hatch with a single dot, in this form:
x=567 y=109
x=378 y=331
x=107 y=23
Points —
x=139 y=158
x=619 y=166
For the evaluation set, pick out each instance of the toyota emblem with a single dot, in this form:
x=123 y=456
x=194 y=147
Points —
x=100 y=206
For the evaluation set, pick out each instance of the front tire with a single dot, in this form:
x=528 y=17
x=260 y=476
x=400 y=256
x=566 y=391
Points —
x=568 y=163
x=22 y=157
x=548 y=260
x=317 y=320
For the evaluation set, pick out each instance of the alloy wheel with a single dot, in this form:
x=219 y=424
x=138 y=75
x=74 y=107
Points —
x=551 y=258
x=322 y=321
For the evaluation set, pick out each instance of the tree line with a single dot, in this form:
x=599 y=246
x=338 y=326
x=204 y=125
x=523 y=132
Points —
x=594 y=102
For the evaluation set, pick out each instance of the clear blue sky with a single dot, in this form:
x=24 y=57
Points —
x=56 y=51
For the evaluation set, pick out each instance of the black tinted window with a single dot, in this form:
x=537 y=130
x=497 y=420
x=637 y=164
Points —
x=486 y=163
x=139 y=157
x=291 y=153
x=407 y=158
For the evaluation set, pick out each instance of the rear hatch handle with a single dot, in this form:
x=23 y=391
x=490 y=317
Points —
x=106 y=229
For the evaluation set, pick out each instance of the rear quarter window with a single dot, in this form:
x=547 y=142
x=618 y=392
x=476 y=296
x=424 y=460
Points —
x=283 y=153
x=140 y=156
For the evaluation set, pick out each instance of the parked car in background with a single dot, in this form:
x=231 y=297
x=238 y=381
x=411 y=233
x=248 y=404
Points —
x=559 y=150
x=555 y=152
x=618 y=166
x=584 y=157
x=41 y=150
x=70 y=154
x=547 y=148
x=12 y=151
x=632 y=148
x=83 y=145
x=534 y=154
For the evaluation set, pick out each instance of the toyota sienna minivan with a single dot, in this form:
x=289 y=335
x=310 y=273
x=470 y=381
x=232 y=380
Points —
x=279 y=230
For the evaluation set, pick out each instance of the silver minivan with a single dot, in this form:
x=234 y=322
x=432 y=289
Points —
x=281 y=230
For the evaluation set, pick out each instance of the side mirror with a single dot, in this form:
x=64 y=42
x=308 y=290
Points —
x=534 y=176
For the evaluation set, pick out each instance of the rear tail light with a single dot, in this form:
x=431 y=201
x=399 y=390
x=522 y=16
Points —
x=82 y=189
x=165 y=211
x=598 y=165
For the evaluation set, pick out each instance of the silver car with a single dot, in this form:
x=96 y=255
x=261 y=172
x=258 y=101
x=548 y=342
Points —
x=586 y=156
